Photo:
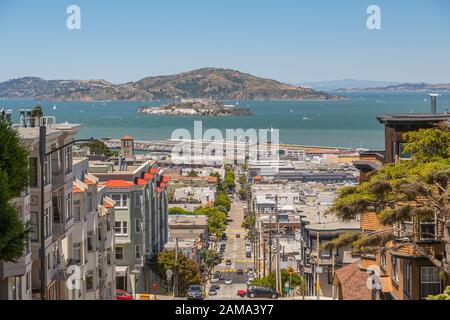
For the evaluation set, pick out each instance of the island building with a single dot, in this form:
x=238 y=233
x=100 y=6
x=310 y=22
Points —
x=405 y=273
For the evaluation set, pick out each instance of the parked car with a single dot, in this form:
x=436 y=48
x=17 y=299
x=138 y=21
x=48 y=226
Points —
x=123 y=295
x=242 y=293
x=195 y=292
x=213 y=291
x=217 y=274
x=215 y=286
x=228 y=262
x=248 y=254
x=240 y=271
x=215 y=279
x=262 y=292
x=228 y=281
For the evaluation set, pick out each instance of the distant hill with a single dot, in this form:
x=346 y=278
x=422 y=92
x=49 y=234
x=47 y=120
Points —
x=221 y=84
x=407 y=87
x=336 y=85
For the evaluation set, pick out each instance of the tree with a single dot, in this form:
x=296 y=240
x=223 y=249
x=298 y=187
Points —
x=14 y=178
x=193 y=174
x=98 y=147
x=416 y=191
x=216 y=219
x=179 y=211
x=242 y=194
x=185 y=268
x=36 y=114
x=249 y=221
x=269 y=281
x=210 y=259
x=223 y=200
x=443 y=296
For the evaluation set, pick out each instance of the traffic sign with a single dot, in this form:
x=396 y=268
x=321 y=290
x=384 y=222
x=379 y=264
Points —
x=290 y=270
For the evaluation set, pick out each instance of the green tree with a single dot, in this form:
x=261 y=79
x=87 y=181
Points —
x=186 y=269
x=216 y=219
x=178 y=211
x=36 y=115
x=242 y=194
x=193 y=174
x=14 y=178
x=210 y=259
x=98 y=147
x=416 y=190
x=249 y=221
x=223 y=200
x=443 y=296
x=270 y=281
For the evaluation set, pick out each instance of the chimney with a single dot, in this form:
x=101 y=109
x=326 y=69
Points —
x=433 y=97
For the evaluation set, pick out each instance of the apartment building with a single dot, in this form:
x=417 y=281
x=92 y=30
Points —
x=15 y=278
x=57 y=215
x=139 y=193
x=405 y=273
x=93 y=235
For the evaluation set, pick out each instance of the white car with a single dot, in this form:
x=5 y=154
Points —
x=215 y=280
x=228 y=281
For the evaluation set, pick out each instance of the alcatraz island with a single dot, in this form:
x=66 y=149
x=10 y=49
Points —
x=196 y=107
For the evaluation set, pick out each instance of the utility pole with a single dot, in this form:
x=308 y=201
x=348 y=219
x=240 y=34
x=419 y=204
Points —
x=318 y=262
x=278 y=271
x=42 y=257
x=175 y=273
x=270 y=243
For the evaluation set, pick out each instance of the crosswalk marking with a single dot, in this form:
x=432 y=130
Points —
x=232 y=270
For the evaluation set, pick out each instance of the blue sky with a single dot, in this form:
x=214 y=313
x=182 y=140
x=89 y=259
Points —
x=288 y=40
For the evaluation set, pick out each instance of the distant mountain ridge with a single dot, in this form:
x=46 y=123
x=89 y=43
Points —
x=221 y=84
x=406 y=87
x=333 y=85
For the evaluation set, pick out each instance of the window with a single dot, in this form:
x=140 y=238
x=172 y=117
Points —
x=121 y=200
x=383 y=260
x=428 y=229
x=137 y=200
x=430 y=283
x=121 y=228
x=137 y=226
x=89 y=202
x=137 y=251
x=69 y=206
x=68 y=159
x=46 y=223
x=77 y=210
x=402 y=154
x=395 y=268
x=119 y=253
x=89 y=282
x=90 y=242
x=77 y=252
x=407 y=278
x=34 y=224
x=33 y=172
x=49 y=262
x=28 y=280
x=47 y=171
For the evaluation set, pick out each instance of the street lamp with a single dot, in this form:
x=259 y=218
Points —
x=42 y=156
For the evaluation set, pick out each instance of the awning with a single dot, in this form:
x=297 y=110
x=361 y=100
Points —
x=121 y=271
x=386 y=285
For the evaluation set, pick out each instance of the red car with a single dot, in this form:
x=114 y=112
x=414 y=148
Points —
x=123 y=295
x=242 y=293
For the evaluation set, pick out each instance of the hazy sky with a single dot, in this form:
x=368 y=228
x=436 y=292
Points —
x=288 y=40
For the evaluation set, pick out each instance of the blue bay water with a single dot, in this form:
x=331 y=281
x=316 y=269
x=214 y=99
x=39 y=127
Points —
x=346 y=123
